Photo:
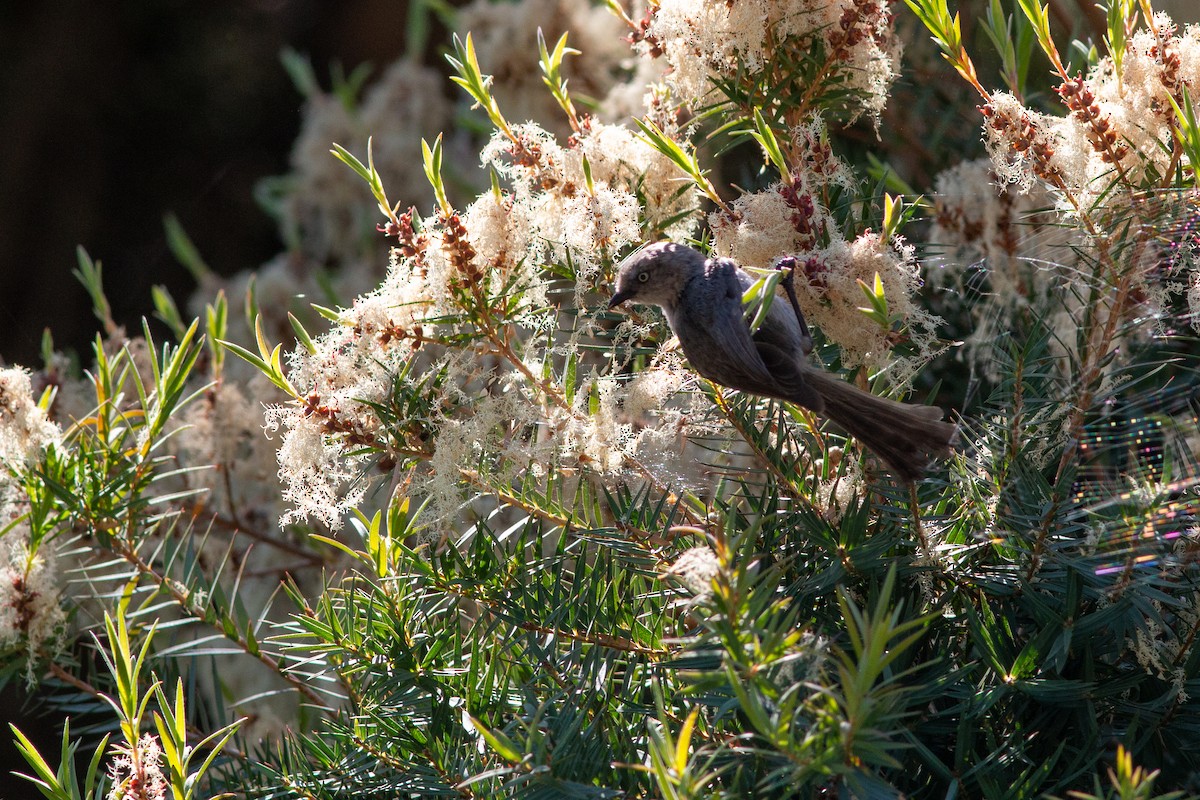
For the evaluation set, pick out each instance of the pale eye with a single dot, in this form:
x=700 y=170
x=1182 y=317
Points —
x=643 y=277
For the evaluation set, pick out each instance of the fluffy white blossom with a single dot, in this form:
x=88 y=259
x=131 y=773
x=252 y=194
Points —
x=709 y=40
x=1117 y=129
x=317 y=472
x=696 y=568
x=599 y=435
x=777 y=223
x=137 y=774
x=488 y=436
x=765 y=226
x=321 y=453
x=1024 y=145
x=552 y=212
x=505 y=37
x=24 y=428
x=29 y=595
x=650 y=389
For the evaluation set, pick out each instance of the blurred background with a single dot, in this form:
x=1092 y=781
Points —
x=112 y=114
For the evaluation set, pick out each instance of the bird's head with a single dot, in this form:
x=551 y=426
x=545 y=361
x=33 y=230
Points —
x=656 y=274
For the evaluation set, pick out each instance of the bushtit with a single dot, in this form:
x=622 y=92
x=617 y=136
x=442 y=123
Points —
x=702 y=298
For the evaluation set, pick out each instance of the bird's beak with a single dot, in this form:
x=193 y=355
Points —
x=618 y=298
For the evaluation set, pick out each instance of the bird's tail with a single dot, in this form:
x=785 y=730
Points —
x=905 y=436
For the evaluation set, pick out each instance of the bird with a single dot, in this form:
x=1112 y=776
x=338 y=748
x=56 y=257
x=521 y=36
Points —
x=702 y=300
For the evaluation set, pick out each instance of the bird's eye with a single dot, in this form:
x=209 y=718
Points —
x=643 y=277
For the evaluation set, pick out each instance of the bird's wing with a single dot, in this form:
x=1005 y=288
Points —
x=730 y=356
x=788 y=376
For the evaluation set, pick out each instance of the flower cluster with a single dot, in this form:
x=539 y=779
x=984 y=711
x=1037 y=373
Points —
x=1077 y=180
x=30 y=610
x=708 y=41
x=575 y=205
x=1002 y=245
x=787 y=224
x=136 y=773
x=467 y=279
x=506 y=35
x=328 y=434
x=24 y=428
x=29 y=588
x=583 y=202
x=1024 y=144
x=1119 y=127
x=1157 y=647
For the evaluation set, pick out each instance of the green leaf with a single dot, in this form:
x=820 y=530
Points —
x=300 y=69
x=498 y=741
x=166 y=310
x=301 y=334
x=49 y=782
x=184 y=249
x=90 y=273
x=369 y=174
x=551 y=64
x=268 y=360
x=765 y=136
x=757 y=299
x=432 y=159
x=654 y=136
x=471 y=78
x=1187 y=132
x=878 y=305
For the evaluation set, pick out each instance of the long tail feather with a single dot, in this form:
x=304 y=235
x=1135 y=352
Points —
x=904 y=435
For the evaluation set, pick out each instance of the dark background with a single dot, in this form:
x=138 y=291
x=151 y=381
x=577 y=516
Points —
x=114 y=113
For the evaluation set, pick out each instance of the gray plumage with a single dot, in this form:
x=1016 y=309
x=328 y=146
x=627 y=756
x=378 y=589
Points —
x=702 y=298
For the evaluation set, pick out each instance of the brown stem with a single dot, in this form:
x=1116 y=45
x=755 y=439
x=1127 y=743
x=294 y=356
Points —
x=475 y=479
x=83 y=686
x=1098 y=343
x=914 y=505
x=795 y=490
x=185 y=604
x=430 y=758
x=551 y=392
x=598 y=639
